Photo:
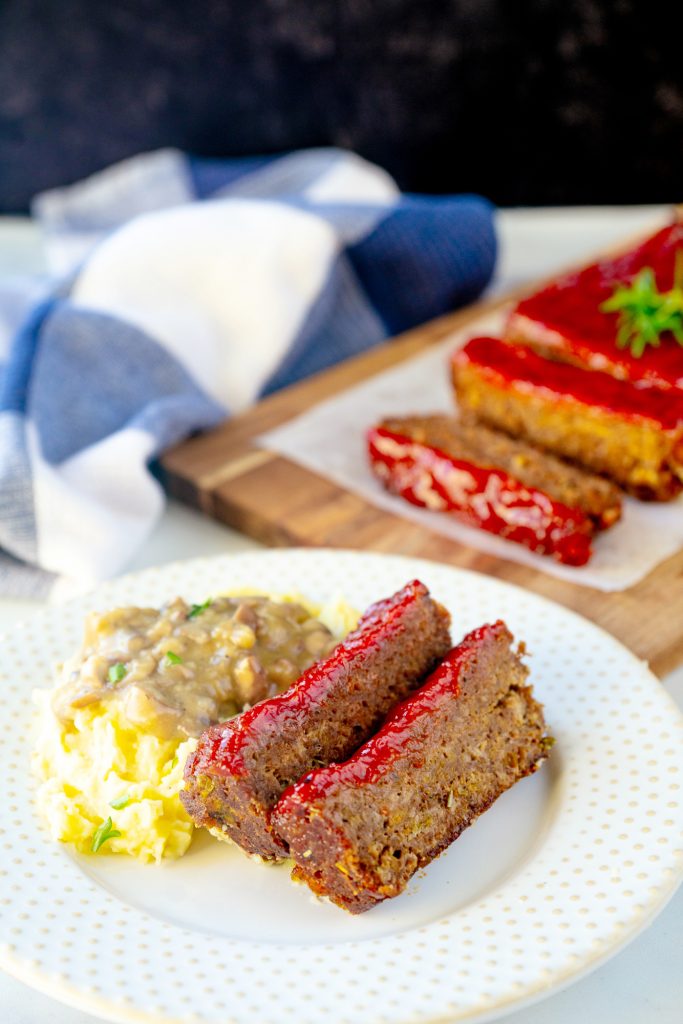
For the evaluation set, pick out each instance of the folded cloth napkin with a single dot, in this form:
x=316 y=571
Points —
x=179 y=291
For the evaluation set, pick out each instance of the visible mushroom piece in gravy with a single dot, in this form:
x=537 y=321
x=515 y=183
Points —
x=184 y=667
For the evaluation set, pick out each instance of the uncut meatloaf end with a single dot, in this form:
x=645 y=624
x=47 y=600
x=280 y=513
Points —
x=359 y=831
x=564 y=321
x=241 y=767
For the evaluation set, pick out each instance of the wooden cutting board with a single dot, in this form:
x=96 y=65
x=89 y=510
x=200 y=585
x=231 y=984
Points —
x=280 y=503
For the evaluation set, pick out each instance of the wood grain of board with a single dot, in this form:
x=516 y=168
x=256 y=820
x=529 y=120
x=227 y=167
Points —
x=280 y=503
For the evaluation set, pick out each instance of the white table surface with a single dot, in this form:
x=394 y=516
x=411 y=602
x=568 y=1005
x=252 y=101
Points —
x=643 y=984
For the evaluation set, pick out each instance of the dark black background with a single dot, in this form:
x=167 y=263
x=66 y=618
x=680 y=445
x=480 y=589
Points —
x=529 y=102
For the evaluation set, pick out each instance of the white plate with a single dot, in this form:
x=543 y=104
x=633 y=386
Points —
x=565 y=868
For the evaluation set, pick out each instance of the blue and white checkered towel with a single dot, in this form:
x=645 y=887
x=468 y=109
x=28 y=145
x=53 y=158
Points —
x=181 y=290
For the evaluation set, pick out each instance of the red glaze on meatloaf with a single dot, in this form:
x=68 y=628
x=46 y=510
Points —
x=634 y=435
x=488 y=480
x=242 y=766
x=564 y=319
x=358 y=831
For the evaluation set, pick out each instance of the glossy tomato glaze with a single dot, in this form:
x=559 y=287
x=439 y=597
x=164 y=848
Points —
x=483 y=497
x=570 y=308
x=524 y=370
x=220 y=750
x=400 y=736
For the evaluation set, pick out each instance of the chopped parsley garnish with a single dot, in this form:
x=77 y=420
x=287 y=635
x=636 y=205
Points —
x=116 y=672
x=173 y=659
x=197 y=609
x=645 y=313
x=120 y=802
x=102 y=834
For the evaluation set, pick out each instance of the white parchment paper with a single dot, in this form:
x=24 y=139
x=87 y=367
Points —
x=330 y=440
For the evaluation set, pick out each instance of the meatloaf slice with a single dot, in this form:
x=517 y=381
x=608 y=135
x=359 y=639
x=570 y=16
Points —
x=535 y=469
x=358 y=831
x=610 y=426
x=241 y=767
x=564 y=319
x=489 y=480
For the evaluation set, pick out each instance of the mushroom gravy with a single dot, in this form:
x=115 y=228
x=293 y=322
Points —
x=183 y=667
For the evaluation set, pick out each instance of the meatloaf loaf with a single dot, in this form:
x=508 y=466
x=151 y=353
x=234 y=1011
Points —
x=242 y=766
x=489 y=480
x=632 y=434
x=358 y=831
x=564 y=319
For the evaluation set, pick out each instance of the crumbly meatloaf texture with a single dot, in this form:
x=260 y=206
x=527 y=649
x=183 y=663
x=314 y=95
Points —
x=359 y=831
x=241 y=768
x=638 y=453
x=597 y=498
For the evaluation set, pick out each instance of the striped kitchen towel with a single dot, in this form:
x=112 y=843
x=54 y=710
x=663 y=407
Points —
x=179 y=291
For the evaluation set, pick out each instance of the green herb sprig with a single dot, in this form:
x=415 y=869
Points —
x=197 y=609
x=645 y=313
x=120 y=802
x=173 y=659
x=116 y=673
x=101 y=834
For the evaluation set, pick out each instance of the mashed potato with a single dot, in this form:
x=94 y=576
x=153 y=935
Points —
x=99 y=760
x=101 y=773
